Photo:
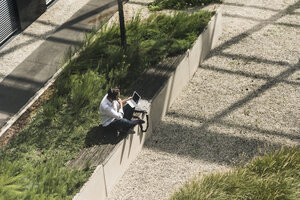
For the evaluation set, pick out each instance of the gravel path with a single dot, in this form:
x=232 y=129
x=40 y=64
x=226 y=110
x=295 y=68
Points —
x=244 y=99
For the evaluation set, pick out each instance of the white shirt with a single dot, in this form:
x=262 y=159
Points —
x=109 y=111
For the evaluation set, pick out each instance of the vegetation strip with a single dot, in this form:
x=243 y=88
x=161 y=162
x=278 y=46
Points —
x=273 y=176
x=34 y=161
x=179 y=4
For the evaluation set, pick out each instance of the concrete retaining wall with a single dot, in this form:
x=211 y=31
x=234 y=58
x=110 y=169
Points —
x=111 y=170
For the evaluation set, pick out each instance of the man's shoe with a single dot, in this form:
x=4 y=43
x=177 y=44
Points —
x=140 y=121
x=131 y=131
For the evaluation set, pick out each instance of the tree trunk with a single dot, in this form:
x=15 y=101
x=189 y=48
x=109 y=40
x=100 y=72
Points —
x=122 y=24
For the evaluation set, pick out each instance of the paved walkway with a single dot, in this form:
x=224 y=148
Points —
x=32 y=57
x=243 y=99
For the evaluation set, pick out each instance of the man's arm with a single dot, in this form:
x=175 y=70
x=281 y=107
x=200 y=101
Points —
x=125 y=100
x=120 y=101
x=115 y=114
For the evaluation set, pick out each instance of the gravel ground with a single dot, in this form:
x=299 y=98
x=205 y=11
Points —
x=243 y=100
x=12 y=54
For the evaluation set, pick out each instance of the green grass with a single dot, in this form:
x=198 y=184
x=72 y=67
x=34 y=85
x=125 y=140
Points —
x=178 y=4
x=34 y=178
x=273 y=176
x=34 y=161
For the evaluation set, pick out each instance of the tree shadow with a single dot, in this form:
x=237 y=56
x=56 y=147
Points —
x=210 y=146
x=259 y=20
x=99 y=135
x=250 y=6
x=248 y=74
x=75 y=24
x=227 y=124
x=209 y=140
x=271 y=20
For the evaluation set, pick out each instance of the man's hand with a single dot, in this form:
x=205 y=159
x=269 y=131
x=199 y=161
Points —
x=125 y=100
x=121 y=103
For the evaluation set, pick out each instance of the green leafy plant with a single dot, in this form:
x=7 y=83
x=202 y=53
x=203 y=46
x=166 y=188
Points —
x=12 y=181
x=178 y=4
x=85 y=89
x=51 y=107
x=50 y=179
x=273 y=176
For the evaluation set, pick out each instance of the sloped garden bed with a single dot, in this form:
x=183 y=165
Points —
x=33 y=165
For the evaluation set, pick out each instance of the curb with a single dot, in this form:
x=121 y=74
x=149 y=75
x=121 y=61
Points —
x=107 y=174
x=13 y=119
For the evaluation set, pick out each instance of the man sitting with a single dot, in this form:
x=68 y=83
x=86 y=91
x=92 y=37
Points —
x=114 y=116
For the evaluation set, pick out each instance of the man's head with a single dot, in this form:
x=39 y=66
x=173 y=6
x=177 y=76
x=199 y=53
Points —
x=113 y=93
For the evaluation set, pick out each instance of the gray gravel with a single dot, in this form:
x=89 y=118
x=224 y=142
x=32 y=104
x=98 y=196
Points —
x=243 y=100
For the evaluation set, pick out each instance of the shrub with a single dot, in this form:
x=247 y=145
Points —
x=38 y=180
x=273 y=176
x=52 y=106
x=12 y=181
x=178 y=4
x=50 y=179
x=86 y=88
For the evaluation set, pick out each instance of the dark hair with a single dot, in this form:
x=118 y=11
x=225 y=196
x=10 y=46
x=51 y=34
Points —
x=112 y=93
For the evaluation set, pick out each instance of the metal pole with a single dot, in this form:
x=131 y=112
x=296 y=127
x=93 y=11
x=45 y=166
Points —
x=122 y=24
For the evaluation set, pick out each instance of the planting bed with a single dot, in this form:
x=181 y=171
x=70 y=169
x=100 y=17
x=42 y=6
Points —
x=66 y=130
x=160 y=85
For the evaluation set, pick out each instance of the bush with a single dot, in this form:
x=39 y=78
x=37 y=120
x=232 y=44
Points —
x=273 y=176
x=51 y=107
x=12 y=181
x=85 y=89
x=178 y=4
x=48 y=179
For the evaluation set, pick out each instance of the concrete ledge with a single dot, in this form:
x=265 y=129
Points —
x=119 y=160
x=127 y=150
x=95 y=188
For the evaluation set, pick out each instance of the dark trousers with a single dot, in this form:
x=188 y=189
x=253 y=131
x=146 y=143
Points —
x=124 y=124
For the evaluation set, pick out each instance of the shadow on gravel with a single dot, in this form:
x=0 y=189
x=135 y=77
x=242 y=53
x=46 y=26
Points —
x=258 y=27
x=222 y=147
x=250 y=6
x=256 y=93
x=200 y=142
x=258 y=20
x=249 y=75
x=219 y=145
x=206 y=145
x=237 y=126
